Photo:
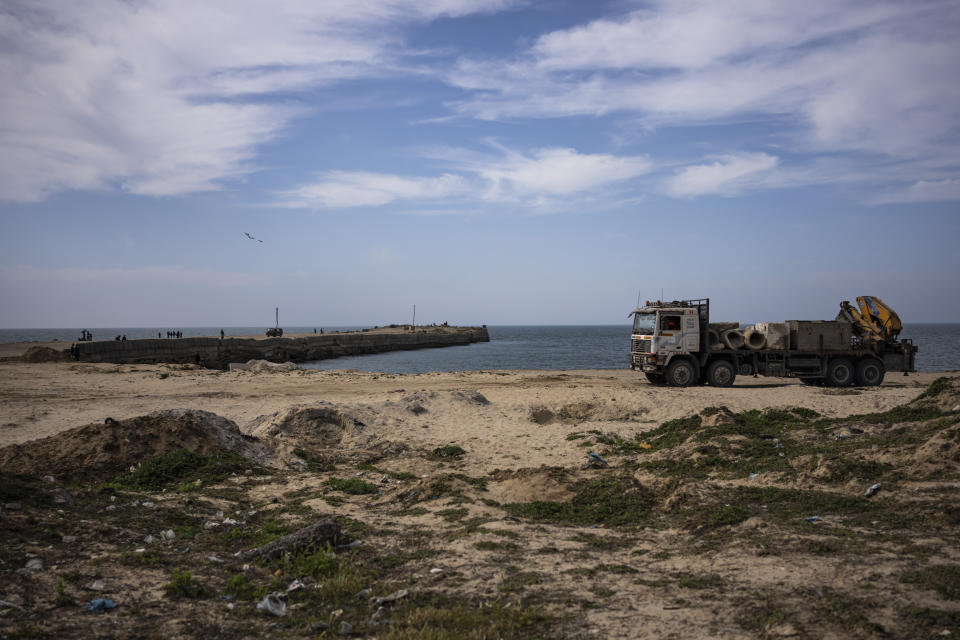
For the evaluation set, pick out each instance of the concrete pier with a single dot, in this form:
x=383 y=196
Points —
x=215 y=353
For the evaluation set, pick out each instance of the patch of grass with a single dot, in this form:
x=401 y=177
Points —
x=493 y=545
x=179 y=467
x=182 y=585
x=845 y=467
x=699 y=581
x=456 y=620
x=448 y=451
x=23 y=489
x=61 y=599
x=616 y=568
x=318 y=564
x=399 y=559
x=672 y=432
x=928 y=617
x=609 y=500
x=352 y=486
x=601 y=543
x=519 y=581
x=936 y=387
x=944 y=578
x=717 y=516
x=240 y=587
x=258 y=534
x=453 y=515
x=149 y=558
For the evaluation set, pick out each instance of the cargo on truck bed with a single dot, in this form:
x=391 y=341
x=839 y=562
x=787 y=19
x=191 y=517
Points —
x=675 y=343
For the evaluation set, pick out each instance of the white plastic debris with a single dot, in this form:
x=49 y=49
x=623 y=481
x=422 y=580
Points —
x=393 y=597
x=272 y=604
x=872 y=489
x=215 y=559
x=296 y=585
x=230 y=521
x=34 y=564
x=436 y=570
x=210 y=524
x=168 y=534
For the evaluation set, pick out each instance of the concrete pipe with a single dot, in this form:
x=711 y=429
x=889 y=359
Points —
x=713 y=340
x=733 y=339
x=753 y=339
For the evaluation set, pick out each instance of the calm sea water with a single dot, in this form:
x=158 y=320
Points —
x=522 y=347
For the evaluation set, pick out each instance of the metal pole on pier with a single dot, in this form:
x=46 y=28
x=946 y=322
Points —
x=414 y=316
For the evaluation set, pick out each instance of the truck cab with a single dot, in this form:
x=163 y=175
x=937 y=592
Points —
x=664 y=333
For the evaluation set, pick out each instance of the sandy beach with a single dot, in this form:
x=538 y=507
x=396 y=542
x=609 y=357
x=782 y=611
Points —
x=722 y=548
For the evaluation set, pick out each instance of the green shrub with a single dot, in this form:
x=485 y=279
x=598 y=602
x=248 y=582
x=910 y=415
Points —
x=180 y=467
x=183 y=585
x=447 y=451
x=352 y=486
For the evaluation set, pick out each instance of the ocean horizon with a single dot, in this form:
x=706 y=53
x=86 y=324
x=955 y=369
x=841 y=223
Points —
x=511 y=347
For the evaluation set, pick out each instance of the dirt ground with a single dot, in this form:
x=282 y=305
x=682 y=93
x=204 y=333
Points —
x=471 y=507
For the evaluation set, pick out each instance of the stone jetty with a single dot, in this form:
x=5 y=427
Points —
x=215 y=353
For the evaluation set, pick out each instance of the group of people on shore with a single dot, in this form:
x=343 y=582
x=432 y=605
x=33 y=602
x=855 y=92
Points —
x=172 y=334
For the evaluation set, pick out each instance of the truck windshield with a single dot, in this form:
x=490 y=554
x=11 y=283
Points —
x=644 y=323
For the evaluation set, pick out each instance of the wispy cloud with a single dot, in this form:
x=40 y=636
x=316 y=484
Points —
x=510 y=176
x=162 y=98
x=850 y=77
x=345 y=189
x=921 y=191
x=726 y=175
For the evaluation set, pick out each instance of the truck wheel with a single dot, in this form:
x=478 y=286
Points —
x=869 y=372
x=681 y=373
x=654 y=378
x=721 y=373
x=840 y=373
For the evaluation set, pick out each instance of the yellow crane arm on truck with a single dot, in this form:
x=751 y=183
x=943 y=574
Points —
x=877 y=321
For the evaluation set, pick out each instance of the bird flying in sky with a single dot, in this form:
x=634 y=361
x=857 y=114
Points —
x=251 y=237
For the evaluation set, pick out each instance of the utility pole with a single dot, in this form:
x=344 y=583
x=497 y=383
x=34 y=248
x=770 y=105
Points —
x=414 y=325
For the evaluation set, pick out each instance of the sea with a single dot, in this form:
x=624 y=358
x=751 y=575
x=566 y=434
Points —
x=510 y=347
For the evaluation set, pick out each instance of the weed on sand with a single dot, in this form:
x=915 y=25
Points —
x=180 y=467
x=610 y=500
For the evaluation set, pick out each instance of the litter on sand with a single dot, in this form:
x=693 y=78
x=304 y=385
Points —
x=812 y=518
x=594 y=460
x=872 y=489
x=272 y=604
x=100 y=605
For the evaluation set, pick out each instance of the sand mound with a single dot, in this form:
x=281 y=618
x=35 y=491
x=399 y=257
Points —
x=943 y=394
x=529 y=485
x=44 y=354
x=318 y=426
x=103 y=450
x=263 y=366
x=940 y=455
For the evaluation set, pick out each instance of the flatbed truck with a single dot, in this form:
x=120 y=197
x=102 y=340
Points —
x=674 y=343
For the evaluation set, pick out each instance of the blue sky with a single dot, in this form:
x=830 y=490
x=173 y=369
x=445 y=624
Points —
x=499 y=162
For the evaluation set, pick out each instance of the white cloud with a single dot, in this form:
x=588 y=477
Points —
x=345 y=189
x=839 y=76
x=726 y=175
x=157 y=97
x=526 y=179
x=557 y=171
x=922 y=191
